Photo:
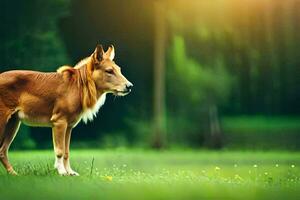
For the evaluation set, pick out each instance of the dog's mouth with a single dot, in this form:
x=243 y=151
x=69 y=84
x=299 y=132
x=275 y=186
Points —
x=122 y=92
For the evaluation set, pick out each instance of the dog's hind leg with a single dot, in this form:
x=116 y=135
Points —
x=9 y=133
x=3 y=121
x=4 y=117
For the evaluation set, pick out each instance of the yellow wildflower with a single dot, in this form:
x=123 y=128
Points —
x=108 y=178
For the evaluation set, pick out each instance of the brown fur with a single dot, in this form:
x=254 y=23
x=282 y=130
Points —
x=58 y=100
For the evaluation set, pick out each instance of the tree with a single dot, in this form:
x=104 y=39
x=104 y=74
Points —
x=158 y=140
x=203 y=87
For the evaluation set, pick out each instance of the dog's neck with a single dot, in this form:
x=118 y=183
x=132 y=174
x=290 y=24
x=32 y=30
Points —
x=92 y=98
x=90 y=113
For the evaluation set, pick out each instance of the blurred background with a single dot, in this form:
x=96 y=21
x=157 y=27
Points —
x=222 y=74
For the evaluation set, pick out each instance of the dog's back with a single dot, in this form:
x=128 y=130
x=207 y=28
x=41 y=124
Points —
x=16 y=86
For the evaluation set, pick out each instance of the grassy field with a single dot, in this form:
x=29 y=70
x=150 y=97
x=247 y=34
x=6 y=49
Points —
x=138 y=174
x=252 y=132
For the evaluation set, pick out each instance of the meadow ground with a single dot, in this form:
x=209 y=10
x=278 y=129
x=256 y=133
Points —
x=138 y=174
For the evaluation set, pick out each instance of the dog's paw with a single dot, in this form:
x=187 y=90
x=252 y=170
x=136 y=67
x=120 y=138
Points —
x=62 y=171
x=73 y=173
x=12 y=172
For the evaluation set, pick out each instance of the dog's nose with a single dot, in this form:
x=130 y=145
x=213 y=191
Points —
x=129 y=86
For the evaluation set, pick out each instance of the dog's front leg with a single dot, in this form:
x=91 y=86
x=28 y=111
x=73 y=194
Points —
x=67 y=154
x=59 y=132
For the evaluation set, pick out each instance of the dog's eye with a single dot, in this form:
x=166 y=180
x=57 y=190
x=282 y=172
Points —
x=109 y=71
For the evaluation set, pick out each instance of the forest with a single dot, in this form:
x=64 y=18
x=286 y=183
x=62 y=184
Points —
x=214 y=112
x=221 y=74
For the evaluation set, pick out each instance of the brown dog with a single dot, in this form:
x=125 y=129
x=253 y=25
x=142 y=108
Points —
x=58 y=100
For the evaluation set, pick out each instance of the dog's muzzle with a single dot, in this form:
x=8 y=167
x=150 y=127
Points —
x=127 y=90
x=128 y=87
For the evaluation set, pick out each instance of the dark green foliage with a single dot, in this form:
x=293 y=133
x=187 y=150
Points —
x=30 y=37
x=193 y=88
x=241 y=57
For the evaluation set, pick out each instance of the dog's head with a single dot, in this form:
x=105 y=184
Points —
x=107 y=74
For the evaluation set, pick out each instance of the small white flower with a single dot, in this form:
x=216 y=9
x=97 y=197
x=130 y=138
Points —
x=238 y=177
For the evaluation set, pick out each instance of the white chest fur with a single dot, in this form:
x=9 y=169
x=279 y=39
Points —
x=89 y=114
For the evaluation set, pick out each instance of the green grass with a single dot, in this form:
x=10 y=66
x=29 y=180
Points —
x=260 y=132
x=137 y=174
x=258 y=124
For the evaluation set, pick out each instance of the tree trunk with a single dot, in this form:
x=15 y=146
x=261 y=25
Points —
x=159 y=132
x=215 y=139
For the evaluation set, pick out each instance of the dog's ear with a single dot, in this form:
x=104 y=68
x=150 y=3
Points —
x=110 y=53
x=98 y=53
